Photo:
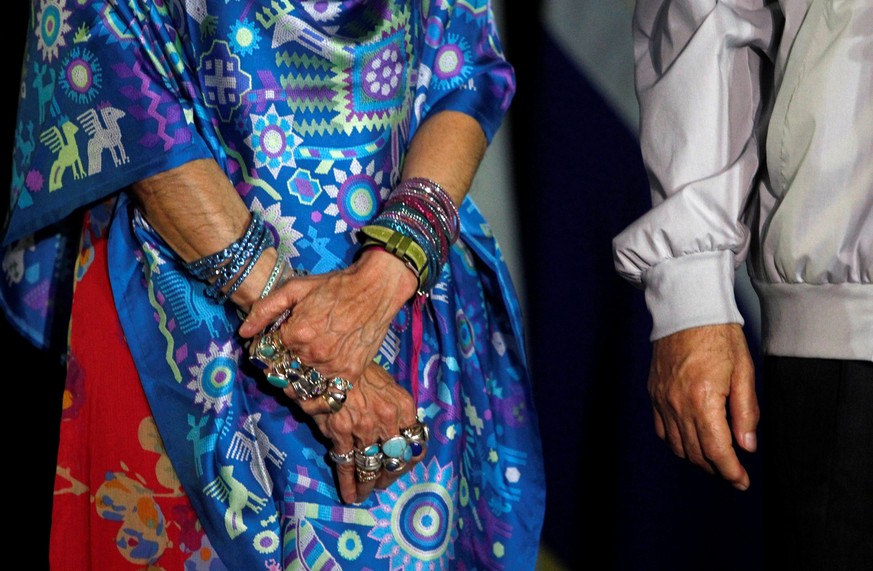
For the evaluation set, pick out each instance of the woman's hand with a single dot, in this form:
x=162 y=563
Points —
x=338 y=320
x=376 y=409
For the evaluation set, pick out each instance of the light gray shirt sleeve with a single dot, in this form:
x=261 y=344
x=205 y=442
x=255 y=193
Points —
x=698 y=68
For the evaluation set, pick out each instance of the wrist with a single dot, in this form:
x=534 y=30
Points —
x=390 y=270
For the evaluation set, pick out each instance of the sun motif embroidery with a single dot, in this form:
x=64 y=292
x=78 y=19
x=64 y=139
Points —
x=453 y=64
x=213 y=376
x=285 y=235
x=357 y=195
x=415 y=519
x=51 y=27
x=244 y=37
x=273 y=140
x=82 y=76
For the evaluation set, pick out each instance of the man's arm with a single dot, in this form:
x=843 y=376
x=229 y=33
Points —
x=698 y=71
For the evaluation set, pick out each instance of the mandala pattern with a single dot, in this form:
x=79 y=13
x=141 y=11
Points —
x=214 y=376
x=358 y=196
x=416 y=519
x=52 y=24
x=273 y=140
x=374 y=90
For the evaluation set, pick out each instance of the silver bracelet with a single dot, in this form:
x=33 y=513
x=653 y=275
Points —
x=274 y=275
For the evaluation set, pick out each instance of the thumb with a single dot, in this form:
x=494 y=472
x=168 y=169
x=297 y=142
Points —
x=265 y=311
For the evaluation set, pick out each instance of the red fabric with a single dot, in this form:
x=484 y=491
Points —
x=118 y=503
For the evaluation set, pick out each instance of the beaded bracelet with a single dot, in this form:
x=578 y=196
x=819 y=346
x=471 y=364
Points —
x=266 y=240
x=205 y=267
x=229 y=267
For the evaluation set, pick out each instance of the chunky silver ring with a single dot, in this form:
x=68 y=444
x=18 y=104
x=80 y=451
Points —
x=264 y=349
x=366 y=475
x=416 y=435
x=306 y=381
x=335 y=402
x=369 y=458
x=394 y=464
x=342 y=457
x=397 y=447
x=336 y=392
x=417 y=431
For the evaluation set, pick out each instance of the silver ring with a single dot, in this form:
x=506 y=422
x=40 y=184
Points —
x=335 y=402
x=417 y=435
x=366 y=475
x=369 y=458
x=394 y=464
x=342 y=457
x=264 y=349
x=416 y=432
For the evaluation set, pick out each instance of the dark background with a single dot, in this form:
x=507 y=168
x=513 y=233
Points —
x=33 y=378
x=617 y=497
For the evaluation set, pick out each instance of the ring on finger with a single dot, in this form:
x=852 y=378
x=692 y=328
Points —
x=417 y=435
x=364 y=476
x=264 y=349
x=394 y=464
x=335 y=403
x=341 y=458
x=397 y=447
x=336 y=392
x=369 y=458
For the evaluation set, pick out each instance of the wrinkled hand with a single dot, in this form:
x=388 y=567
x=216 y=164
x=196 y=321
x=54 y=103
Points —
x=694 y=374
x=338 y=320
x=376 y=408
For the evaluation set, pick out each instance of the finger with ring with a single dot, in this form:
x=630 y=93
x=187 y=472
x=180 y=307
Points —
x=416 y=435
x=341 y=458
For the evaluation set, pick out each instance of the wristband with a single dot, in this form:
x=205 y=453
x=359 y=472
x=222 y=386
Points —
x=402 y=247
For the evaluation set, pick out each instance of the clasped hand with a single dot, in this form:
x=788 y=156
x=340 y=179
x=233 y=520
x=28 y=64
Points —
x=336 y=325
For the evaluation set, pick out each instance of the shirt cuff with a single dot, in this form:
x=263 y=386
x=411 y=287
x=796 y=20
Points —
x=690 y=291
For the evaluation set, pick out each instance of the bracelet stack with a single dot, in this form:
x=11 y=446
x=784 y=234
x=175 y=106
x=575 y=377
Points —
x=225 y=270
x=418 y=224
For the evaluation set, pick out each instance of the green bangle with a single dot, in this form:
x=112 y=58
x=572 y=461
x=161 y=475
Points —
x=403 y=247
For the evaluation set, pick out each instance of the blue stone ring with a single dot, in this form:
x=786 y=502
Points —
x=416 y=435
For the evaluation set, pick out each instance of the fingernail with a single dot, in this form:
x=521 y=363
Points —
x=741 y=486
x=750 y=441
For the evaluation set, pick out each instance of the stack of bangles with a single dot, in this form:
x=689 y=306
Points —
x=283 y=369
x=226 y=270
x=418 y=223
x=392 y=454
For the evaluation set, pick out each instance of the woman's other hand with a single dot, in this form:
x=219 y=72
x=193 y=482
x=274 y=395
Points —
x=375 y=410
x=338 y=320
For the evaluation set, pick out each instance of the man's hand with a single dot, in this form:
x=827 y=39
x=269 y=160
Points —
x=698 y=375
